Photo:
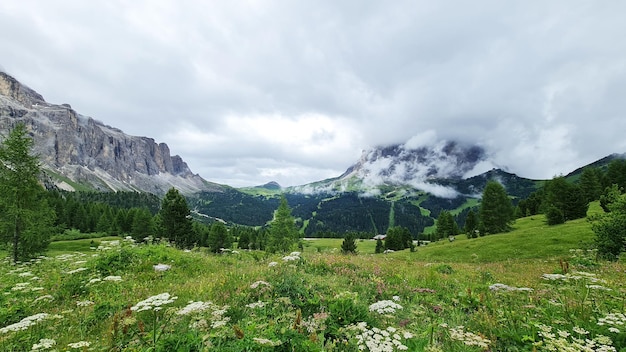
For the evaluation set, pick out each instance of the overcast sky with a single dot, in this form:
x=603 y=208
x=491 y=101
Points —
x=292 y=91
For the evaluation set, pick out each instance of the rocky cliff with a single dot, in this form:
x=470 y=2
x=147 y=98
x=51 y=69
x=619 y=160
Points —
x=79 y=151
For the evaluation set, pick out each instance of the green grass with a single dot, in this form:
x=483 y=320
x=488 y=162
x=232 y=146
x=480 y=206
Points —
x=315 y=303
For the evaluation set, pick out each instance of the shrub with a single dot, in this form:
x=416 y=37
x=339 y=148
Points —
x=555 y=216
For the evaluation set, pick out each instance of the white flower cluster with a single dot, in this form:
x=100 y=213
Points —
x=195 y=307
x=379 y=340
x=615 y=321
x=108 y=245
x=79 y=344
x=566 y=342
x=78 y=270
x=43 y=344
x=24 y=323
x=503 y=287
x=468 y=338
x=577 y=275
x=218 y=318
x=293 y=256
x=385 y=307
x=271 y=264
x=258 y=304
x=259 y=283
x=266 y=342
x=154 y=302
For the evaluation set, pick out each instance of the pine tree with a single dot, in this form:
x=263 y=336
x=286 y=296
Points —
x=175 y=220
x=219 y=238
x=471 y=224
x=380 y=247
x=590 y=184
x=283 y=234
x=348 y=246
x=446 y=225
x=496 y=209
x=25 y=218
x=143 y=224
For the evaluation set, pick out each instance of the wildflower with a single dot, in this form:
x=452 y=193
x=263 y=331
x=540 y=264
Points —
x=21 y=286
x=468 y=338
x=258 y=283
x=376 y=339
x=24 y=323
x=25 y=274
x=271 y=264
x=194 y=307
x=162 y=267
x=503 y=287
x=43 y=344
x=86 y=303
x=290 y=258
x=44 y=298
x=79 y=344
x=93 y=281
x=598 y=287
x=385 y=306
x=254 y=305
x=113 y=278
x=154 y=302
x=266 y=342
x=396 y=298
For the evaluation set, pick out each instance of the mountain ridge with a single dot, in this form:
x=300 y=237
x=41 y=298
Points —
x=86 y=151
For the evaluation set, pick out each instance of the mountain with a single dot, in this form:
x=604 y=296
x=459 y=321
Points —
x=402 y=165
x=396 y=185
x=78 y=152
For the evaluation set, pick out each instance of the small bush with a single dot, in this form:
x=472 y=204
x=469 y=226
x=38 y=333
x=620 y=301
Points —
x=555 y=216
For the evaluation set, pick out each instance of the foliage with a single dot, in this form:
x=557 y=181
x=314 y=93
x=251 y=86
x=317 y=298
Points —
x=25 y=217
x=591 y=183
x=610 y=230
x=175 y=221
x=380 y=247
x=317 y=302
x=554 y=216
x=348 y=246
x=283 y=234
x=611 y=195
x=446 y=225
x=471 y=224
x=398 y=238
x=219 y=238
x=566 y=197
x=496 y=210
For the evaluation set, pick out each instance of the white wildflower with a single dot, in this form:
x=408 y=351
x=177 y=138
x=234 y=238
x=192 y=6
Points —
x=44 y=298
x=468 y=338
x=258 y=304
x=86 y=303
x=385 y=307
x=266 y=342
x=24 y=323
x=43 y=344
x=113 y=278
x=271 y=264
x=76 y=270
x=154 y=302
x=194 y=307
x=258 y=283
x=79 y=344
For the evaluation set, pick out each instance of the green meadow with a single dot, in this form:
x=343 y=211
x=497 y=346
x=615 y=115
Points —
x=536 y=288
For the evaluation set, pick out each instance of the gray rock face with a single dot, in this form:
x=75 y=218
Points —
x=87 y=152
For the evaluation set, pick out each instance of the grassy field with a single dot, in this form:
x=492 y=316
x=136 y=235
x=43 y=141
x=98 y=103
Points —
x=537 y=288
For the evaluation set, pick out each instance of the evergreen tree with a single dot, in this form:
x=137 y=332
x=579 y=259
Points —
x=496 y=209
x=26 y=220
x=379 y=246
x=566 y=197
x=175 y=220
x=471 y=224
x=219 y=238
x=283 y=234
x=143 y=224
x=611 y=195
x=554 y=216
x=243 y=242
x=590 y=184
x=446 y=225
x=348 y=246
x=398 y=238
x=610 y=230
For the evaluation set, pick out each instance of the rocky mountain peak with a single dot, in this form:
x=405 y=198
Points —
x=80 y=150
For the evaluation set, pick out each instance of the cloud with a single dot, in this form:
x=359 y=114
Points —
x=248 y=90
